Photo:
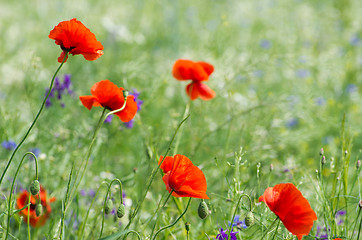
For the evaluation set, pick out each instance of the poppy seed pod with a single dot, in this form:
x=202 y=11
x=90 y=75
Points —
x=34 y=187
x=108 y=207
x=249 y=219
x=125 y=94
x=120 y=211
x=38 y=210
x=203 y=210
x=187 y=226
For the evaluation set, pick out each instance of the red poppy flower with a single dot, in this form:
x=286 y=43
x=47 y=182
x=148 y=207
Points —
x=183 y=177
x=288 y=203
x=197 y=72
x=107 y=94
x=75 y=38
x=34 y=220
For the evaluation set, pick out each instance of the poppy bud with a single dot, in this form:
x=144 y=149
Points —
x=358 y=164
x=203 y=210
x=187 y=226
x=38 y=210
x=249 y=219
x=120 y=211
x=34 y=187
x=125 y=94
x=109 y=206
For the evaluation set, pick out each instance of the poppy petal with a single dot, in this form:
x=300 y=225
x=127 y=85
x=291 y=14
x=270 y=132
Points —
x=188 y=70
x=61 y=57
x=205 y=93
x=192 y=91
x=207 y=67
x=166 y=165
x=89 y=101
x=92 y=56
x=130 y=110
x=288 y=203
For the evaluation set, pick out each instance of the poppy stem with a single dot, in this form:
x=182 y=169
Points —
x=178 y=138
x=236 y=208
x=12 y=189
x=99 y=125
x=172 y=224
x=276 y=230
x=133 y=231
x=359 y=211
x=168 y=197
x=90 y=207
x=32 y=124
x=266 y=232
x=63 y=203
x=139 y=205
x=105 y=201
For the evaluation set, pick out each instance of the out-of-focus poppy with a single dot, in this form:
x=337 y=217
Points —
x=197 y=72
x=288 y=203
x=34 y=220
x=106 y=94
x=183 y=178
x=75 y=38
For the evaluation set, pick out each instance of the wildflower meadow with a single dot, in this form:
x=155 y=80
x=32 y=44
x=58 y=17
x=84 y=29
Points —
x=215 y=120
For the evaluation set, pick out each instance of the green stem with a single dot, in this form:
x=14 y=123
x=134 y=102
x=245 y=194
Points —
x=153 y=175
x=172 y=224
x=359 y=229
x=359 y=211
x=28 y=218
x=236 y=208
x=133 y=231
x=178 y=138
x=12 y=189
x=90 y=207
x=63 y=203
x=87 y=156
x=33 y=123
x=105 y=201
x=276 y=230
x=266 y=232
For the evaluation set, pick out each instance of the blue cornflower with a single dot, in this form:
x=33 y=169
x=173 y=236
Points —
x=302 y=73
x=266 y=44
x=351 y=88
x=9 y=145
x=340 y=217
x=223 y=235
x=291 y=123
x=320 y=101
x=237 y=223
x=59 y=89
x=108 y=119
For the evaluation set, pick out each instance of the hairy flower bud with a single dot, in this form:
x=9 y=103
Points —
x=34 y=187
x=125 y=94
x=249 y=219
x=203 y=210
x=358 y=164
x=323 y=160
x=321 y=152
x=109 y=206
x=120 y=211
x=38 y=210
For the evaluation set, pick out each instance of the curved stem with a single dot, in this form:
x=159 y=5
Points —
x=172 y=224
x=237 y=206
x=133 y=231
x=33 y=123
x=105 y=201
x=153 y=175
x=12 y=189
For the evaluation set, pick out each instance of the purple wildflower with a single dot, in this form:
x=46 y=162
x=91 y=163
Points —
x=139 y=103
x=237 y=223
x=108 y=119
x=292 y=123
x=223 y=235
x=320 y=101
x=266 y=44
x=302 y=73
x=321 y=233
x=340 y=217
x=59 y=89
x=9 y=145
x=354 y=40
x=351 y=88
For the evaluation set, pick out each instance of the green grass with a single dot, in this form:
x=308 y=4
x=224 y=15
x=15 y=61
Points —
x=286 y=74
